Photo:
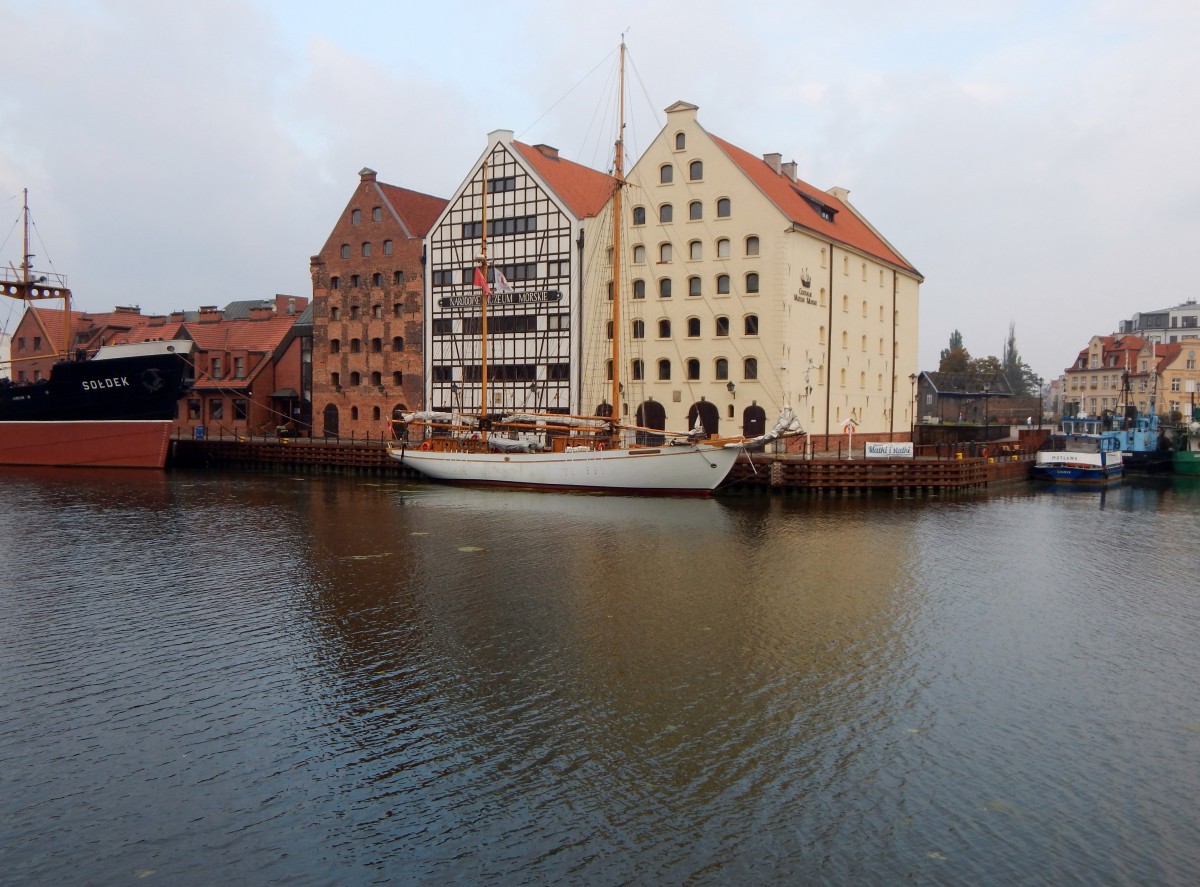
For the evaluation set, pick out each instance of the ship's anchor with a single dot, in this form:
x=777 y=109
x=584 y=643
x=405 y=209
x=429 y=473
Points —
x=152 y=380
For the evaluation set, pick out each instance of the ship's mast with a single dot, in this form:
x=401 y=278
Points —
x=483 y=316
x=619 y=176
x=28 y=286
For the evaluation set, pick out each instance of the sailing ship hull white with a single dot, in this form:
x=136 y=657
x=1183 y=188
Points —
x=693 y=469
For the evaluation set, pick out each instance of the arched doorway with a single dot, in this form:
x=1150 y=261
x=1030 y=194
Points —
x=399 y=428
x=651 y=414
x=754 y=421
x=329 y=421
x=710 y=417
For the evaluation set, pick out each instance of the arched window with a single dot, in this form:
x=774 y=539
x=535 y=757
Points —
x=722 y=284
x=377 y=312
x=639 y=289
x=664 y=288
x=608 y=332
x=376 y=279
x=335 y=283
x=335 y=313
x=366 y=249
x=721 y=368
x=397 y=377
x=354 y=312
x=680 y=141
x=722 y=325
x=335 y=379
x=695 y=170
x=664 y=329
x=353 y=414
x=750 y=368
x=329 y=417
x=695 y=250
x=664 y=370
x=376 y=378
x=664 y=253
x=864 y=308
x=842 y=377
x=639 y=255
x=639 y=215
x=695 y=211
x=750 y=325
x=694 y=286
x=639 y=329
x=693 y=369
x=752 y=245
x=845 y=339
x=335 y=346
x=722 y=248
x=666 y=213
x=666 y=174
x=398 y=343
x=752 y=282
x=376 y=345
x=637 y=370
x=845 y=304
x=723 y=208
x=863 y=344
x=388 y=247
x=355 y=346
x=355 y=379
x=821 y=335
x=355 y=216
x=345 y=250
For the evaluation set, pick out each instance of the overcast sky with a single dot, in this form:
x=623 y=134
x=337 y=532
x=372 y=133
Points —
x=1038 y=162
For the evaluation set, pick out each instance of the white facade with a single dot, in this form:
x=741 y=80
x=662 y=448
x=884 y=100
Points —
x=747 y=291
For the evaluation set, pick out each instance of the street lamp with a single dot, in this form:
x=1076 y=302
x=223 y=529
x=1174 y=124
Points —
x=912 y=423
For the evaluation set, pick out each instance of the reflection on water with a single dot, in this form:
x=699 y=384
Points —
x=314 y=680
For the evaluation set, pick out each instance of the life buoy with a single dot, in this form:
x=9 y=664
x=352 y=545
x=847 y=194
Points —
x=426 y=446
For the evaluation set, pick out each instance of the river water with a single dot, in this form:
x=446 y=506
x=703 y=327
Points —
x=248 y=679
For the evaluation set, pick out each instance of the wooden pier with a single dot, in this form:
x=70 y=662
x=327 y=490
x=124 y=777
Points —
x=933 y=472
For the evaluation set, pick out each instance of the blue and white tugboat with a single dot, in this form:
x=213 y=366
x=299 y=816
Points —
x=1083 y=452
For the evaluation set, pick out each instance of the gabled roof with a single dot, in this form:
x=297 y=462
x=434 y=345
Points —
x=417 y=212
x=148 y=333
x=240 y=335
x=970 y=383
x=584 y=190
x=802 y=204
x=1125 y=348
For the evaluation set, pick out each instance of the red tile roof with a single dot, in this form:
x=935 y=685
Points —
x=417 y=211
x=789 y=196
x=584 y=190
x=240 y=335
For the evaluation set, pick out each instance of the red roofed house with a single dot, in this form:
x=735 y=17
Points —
x=248 y=367
x=753 y=290
x=368 y=281
x=538 y=207
x=1162 y=378
x=40 y=339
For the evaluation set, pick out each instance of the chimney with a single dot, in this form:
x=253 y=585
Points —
x=789 y=170
x=157 y=320
x=261 y=312
x=548 y=151
x=176 y=317
x=366 y=174
x=772 y=160
x=211 y=314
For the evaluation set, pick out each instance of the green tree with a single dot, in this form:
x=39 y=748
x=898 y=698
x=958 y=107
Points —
x=986 y=366
x=956 y=358
x=1021 y=379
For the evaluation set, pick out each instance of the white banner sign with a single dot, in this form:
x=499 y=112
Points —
x=889 y=450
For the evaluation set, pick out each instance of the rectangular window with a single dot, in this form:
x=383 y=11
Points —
x=239 y=368
x=471 y=230
x=20 y=343
x=558 y=322
x=558 y=372
x=514 y=225
x=241 y=409
x=502 y=183
x=443 y=326
x=37 y=343
x=216 y=409
x=193 y=410
x=443 y=277
x=215 y=366
x=443 y=373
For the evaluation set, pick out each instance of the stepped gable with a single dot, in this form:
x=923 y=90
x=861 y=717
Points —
x=802 y=203
x=584 y=190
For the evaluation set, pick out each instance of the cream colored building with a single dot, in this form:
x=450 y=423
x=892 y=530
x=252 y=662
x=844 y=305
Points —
x=1162 y=378
x=747 y=290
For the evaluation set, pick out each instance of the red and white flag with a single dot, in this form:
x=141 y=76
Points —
x=502 y=284
x=481 y=282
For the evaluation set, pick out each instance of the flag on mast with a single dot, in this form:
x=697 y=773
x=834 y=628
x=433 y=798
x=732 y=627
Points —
x=502 y=284
x=481 y=281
